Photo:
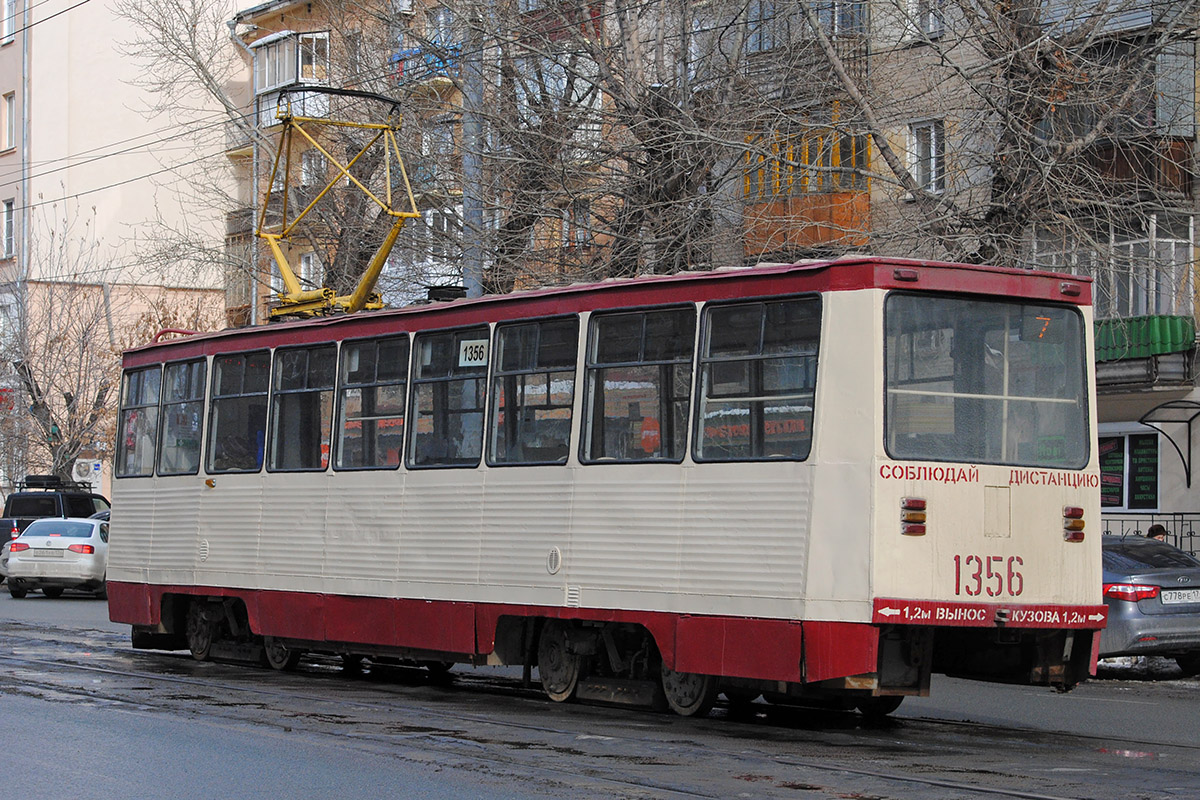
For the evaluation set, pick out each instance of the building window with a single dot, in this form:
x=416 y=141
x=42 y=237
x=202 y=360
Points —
x=10 y=228
x=533 y=392
x=313 y=170
x=10 y=121
x=314 y=57
x=576 y=225
x=302 y=408
x=182 y=418
x=291 y=58
x=843 y=18
x=639 y=383
x=8 y=25
x=561 y=81
x=439 y=26
x=444 y=234
x=927 y=155
x=310 y=271
x=928 y=17
x=449 y=388
x=138 y=423
x=1129 y=472
x=763 y=27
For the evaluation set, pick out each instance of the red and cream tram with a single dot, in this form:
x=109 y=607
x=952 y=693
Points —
x=818 y=482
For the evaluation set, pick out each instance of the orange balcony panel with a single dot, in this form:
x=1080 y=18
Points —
x=812 y=220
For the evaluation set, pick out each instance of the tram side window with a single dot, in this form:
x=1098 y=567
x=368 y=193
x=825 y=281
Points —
x=532 y=392
x=183 y=412
x=302 y=408
x=238 y=418
x=449 y=385
x=639 y=383
x=758 y=371
x=139 y=422
x=371 y=403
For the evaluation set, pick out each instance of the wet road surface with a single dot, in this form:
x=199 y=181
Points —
x=162 y=725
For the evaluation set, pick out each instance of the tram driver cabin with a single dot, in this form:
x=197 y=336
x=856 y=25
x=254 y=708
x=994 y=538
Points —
x=816 y=482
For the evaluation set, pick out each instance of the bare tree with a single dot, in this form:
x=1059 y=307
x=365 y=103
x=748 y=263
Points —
x=618 y=138
x=60 y=345
x=63 y=335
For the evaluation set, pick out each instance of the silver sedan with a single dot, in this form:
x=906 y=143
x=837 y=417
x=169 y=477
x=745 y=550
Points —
x=1153 y=595
x=56 y=554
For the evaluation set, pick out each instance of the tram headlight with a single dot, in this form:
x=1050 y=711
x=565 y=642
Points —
x=1073 y=523
x=912 y=516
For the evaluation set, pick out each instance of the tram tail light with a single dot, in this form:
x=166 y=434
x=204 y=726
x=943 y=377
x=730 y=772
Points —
x=17 y=547
x=912 y=516
x=1073 y=523
x=85 y=549
x=1130 y=592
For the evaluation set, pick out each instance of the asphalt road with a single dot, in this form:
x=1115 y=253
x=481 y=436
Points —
x=89 y=717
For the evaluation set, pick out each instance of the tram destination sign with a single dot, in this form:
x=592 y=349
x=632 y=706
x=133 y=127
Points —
x=986 y=615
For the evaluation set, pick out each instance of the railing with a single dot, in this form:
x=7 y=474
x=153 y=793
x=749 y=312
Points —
x=1183 y=528
x=417 y=65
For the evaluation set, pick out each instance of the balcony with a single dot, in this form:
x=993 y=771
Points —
x=799 y=72
x=1144 y=353
x=430 y=68
x=789 y=225
x=1161 y=164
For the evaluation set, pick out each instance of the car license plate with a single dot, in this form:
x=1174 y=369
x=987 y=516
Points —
x=1178 y=596
x=46 y=552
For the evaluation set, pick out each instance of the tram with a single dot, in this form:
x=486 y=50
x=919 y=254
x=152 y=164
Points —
x=817 y=482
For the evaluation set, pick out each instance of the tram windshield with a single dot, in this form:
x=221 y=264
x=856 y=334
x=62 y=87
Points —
x=985 y=382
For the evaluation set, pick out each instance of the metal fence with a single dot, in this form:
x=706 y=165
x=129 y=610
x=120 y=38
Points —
x=1183 y=528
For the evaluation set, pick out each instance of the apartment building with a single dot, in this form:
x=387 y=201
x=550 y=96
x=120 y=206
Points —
x=92 y=197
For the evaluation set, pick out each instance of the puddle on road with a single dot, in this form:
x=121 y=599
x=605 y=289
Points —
x=1142 y=754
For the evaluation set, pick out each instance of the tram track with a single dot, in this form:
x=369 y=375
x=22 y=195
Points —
x=503 y=739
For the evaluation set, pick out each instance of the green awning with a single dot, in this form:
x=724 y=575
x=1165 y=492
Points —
x=1142 y=337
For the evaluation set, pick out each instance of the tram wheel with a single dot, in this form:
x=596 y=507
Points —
x=876 y=708
x=688 y=694
x=279 y=656
x=558 y=667
x=200 y=632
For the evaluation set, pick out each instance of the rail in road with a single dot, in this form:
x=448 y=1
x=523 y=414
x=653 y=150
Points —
x=488 y=725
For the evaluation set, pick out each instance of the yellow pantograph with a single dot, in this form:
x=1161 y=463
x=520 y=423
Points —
x=295 y=300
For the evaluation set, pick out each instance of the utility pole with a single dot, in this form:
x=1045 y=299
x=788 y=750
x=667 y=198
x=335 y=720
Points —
x=472 y=162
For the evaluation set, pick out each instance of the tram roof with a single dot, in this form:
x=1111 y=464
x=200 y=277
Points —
x=843 y=274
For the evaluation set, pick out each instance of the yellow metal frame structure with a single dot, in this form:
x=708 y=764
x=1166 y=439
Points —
x=295 y=300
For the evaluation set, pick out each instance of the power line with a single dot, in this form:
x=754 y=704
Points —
x=29 y=25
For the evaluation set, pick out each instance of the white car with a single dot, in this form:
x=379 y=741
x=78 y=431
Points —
x=54 y=554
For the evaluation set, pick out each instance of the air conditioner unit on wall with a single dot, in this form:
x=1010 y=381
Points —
x=87 y=470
